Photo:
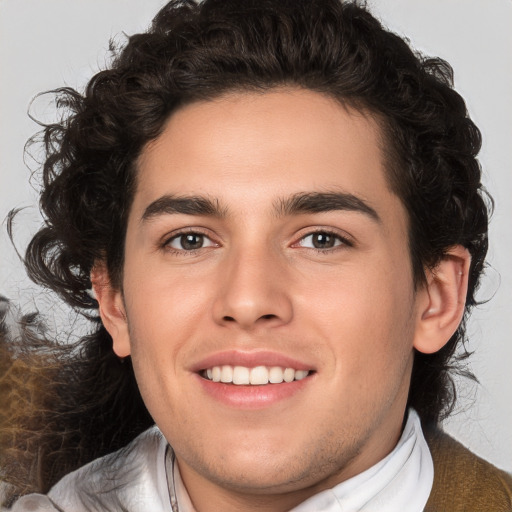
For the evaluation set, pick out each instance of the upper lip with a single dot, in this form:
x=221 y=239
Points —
x=250 y=359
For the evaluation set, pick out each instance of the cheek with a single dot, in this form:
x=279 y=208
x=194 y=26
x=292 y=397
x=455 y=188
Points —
x=366 y=314
x=159 y=289
x=164 y=310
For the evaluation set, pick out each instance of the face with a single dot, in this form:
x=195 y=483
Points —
x=264 y=246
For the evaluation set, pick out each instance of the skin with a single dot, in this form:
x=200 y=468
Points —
x=349 y=312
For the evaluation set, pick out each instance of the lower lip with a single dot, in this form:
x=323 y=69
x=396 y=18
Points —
x=252 y=397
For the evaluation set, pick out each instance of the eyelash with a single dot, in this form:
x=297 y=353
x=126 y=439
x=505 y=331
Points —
x=183 y=252
x=344 y=241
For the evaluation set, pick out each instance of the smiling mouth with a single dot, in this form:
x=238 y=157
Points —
x=256 y=376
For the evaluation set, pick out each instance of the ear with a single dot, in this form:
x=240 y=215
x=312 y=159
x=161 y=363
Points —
x=111 y=308
x=442 y=300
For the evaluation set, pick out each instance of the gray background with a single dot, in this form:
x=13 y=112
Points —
x=45 y=44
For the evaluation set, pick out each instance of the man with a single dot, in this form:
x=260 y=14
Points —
x=279 y=209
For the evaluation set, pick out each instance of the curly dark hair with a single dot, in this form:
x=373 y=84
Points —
x=198 y=51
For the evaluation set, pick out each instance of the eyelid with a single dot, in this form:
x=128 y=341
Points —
x=178 y=237
x=345 y=238
x=173 y=235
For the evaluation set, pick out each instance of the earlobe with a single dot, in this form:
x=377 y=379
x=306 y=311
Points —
x=111 y=309
x=442 y=301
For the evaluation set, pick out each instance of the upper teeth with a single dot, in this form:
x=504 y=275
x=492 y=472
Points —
x=241 y=375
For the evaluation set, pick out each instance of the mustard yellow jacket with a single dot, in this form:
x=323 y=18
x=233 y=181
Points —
x=464 y=482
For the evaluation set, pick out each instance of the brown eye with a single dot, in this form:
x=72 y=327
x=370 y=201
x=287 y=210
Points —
x=190 y=242
x=322 y=240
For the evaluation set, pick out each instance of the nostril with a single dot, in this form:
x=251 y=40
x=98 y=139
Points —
x=262 y=317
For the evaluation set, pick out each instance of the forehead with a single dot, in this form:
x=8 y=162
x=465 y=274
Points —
x=247 y=148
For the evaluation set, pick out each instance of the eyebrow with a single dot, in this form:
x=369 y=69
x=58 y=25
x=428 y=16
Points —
x=302 y=202
x=188 y=205
x=318 y=202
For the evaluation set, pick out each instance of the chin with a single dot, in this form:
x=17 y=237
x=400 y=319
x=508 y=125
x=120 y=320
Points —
x=274 y=469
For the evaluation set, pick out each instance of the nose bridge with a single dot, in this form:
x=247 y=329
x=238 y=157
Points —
x=253 y=290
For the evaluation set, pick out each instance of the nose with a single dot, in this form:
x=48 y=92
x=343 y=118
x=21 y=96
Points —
x=254 y=292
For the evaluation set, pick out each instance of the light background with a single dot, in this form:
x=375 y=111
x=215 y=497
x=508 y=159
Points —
x=46 y=44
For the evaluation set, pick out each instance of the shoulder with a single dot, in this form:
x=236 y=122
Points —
x=462 y=480
x=123 y=480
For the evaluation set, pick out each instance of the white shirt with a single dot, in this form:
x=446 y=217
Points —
x=135 y=479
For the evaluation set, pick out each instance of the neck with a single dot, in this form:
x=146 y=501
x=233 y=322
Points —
x=210 y=497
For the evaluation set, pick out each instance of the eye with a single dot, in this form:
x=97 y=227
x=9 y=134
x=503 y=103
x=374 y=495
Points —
x=322 y=240
x=189 y=242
